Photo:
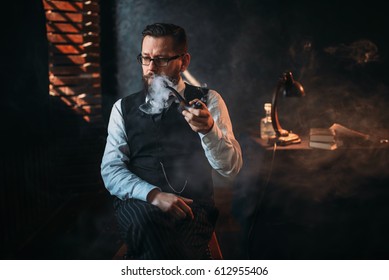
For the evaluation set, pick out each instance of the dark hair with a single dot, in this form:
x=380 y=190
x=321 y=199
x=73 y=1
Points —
x=167 y=29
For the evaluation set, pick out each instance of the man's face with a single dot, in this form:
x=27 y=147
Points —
x=162 y=47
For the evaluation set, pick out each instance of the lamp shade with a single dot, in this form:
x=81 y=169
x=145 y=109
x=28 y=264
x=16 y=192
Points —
x=291 y=88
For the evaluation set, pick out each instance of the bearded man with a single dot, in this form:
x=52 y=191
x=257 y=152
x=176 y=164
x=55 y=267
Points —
x=159 y=165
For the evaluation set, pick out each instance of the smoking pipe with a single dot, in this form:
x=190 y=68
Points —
x=184 y=104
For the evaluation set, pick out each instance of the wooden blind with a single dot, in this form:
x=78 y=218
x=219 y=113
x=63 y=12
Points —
x=74 y=55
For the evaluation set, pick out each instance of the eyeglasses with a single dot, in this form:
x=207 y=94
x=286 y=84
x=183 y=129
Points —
x=158 y=61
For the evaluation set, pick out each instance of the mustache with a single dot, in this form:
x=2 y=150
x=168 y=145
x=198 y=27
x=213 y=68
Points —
x=148 y=76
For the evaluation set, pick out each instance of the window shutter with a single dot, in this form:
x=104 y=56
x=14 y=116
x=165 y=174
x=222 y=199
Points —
x=74 y=56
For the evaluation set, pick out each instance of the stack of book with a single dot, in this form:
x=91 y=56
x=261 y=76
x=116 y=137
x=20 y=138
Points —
x=335 y=136
x=323 y=138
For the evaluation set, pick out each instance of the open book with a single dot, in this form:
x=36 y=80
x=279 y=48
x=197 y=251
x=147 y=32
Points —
x=335 y=136
x=345 y=134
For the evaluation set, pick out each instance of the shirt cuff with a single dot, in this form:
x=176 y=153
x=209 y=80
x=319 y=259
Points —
x=212 y=137
x=142 y=195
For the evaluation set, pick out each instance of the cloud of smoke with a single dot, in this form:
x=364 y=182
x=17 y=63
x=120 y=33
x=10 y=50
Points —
x=157 y=95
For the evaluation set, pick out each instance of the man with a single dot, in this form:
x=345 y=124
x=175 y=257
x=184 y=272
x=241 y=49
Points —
x=159 y=165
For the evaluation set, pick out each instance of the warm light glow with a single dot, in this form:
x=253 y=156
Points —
x=192 y=80
x=74 y=69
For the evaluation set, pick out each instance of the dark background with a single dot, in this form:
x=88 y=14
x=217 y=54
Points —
x=338 y=50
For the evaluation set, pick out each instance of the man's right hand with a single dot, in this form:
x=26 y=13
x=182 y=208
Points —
x=177 y=206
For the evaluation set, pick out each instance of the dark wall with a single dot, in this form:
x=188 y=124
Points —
x=336 y=49
x=24 y=71
x=25 y=189
x=108 y=56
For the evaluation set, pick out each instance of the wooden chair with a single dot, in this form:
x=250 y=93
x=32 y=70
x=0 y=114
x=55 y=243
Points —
x=214 y=248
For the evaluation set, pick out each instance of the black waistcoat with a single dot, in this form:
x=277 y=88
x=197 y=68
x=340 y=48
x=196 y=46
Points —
x=165 y=150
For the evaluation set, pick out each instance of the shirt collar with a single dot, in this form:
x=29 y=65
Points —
x=181 y=87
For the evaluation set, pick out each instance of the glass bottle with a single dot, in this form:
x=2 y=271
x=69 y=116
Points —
x=266 y=127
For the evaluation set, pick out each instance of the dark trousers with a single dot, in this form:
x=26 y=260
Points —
x=152 y=234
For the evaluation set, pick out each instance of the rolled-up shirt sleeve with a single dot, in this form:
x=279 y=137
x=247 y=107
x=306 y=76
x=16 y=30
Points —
x=118 y=179
x=221 y=148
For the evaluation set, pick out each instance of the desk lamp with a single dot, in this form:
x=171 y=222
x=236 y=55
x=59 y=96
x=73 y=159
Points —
x=287 y=87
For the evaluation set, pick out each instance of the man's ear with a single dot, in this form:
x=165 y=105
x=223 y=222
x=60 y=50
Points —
x=185 y=62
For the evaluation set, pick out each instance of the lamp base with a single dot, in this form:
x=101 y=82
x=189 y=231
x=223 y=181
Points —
x=291 y=138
